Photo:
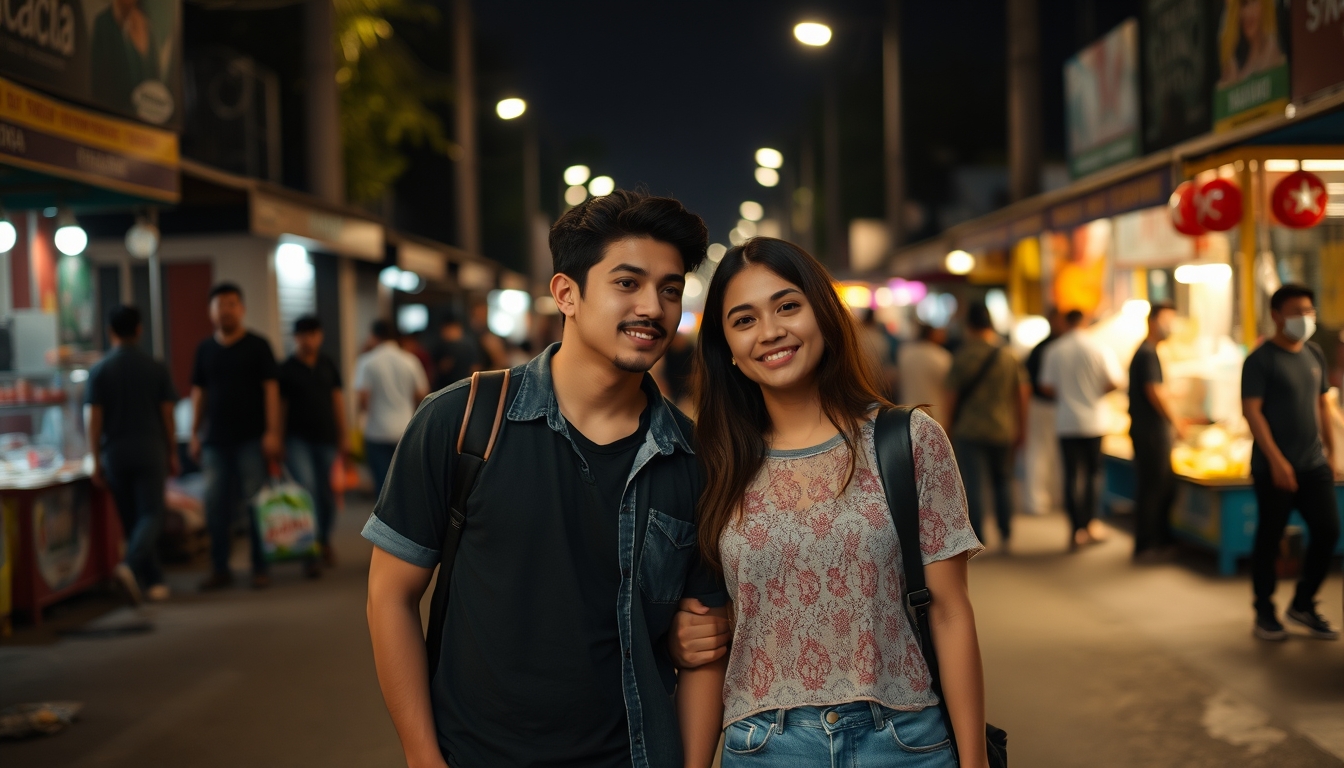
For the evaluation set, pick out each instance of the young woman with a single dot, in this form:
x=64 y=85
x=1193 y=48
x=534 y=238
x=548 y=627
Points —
x=825 y=661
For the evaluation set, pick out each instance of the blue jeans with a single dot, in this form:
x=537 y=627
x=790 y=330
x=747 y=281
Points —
x=234 y=475
x=863 y=735
x=137 y=490
x=310 y=463
x=979 y=462
x=379 y=456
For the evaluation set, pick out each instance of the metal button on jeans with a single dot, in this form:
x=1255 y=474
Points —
x=832 y=718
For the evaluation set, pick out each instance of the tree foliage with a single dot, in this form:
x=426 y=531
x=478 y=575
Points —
x=386 y=94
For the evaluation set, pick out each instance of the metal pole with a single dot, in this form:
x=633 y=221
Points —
x=468 y=191
x=326 y=163
x=540 y=267
x=155 y=294
x=830 y=128
x=891 y=124
x=1024 y=99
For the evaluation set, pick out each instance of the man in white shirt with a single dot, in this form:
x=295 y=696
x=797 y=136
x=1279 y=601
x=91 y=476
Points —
x=923 y=366
x=1077 y=372
x=390 y=383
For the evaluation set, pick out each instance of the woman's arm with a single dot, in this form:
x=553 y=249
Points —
x=700 y=707
x=958 y=650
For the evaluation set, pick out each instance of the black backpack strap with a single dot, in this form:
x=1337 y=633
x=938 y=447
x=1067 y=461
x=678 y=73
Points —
x=896 y=464
x=475 y=441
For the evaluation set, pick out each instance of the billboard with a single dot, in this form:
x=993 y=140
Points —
x=1252 y=62
x=118 y=56
x=1101 y=101
x=1180 y=67
x=1318 y=47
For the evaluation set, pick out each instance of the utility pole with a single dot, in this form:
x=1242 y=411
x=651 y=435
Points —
x=1024 y=99
x=326 y=160
x=892 y=132
x=538 y=256
x=468 y=173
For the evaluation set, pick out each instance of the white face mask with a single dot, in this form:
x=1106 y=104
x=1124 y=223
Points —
x=1299 y=328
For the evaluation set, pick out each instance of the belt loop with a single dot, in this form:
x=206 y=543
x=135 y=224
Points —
x=779 y=720
x=878 y=722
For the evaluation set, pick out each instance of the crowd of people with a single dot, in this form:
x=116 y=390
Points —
x=632 y=585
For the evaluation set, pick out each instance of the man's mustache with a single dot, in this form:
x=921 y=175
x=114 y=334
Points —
x=644 y=324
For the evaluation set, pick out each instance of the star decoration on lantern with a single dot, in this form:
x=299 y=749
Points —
x=1305 y=198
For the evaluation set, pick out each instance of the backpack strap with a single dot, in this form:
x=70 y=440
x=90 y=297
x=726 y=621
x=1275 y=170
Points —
x=475 y=441
x=892 y=438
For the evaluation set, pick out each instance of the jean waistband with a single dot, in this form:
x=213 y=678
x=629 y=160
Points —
x=838 y=717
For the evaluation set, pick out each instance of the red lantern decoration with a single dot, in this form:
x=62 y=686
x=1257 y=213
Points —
x=1299 y=199
x=1182 y=207
x=1218 y=205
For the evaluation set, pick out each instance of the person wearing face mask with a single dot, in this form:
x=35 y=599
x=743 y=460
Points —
x=1151 y=421
x=1283 y=391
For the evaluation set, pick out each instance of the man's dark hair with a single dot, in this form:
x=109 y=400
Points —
x=1290 y=291
x=1158 y=307
x=222 y=288
x=977 y=317
x=1073 y=318
x=124 y=321
x=307 y=324
x=383 y=330
x=583 y=233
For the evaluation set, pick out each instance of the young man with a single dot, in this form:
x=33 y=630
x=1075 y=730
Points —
x=131 y=398
x=390 y=383
x=235 y=428
x=579 y=537
x=310 y=385
x=1283 y=396
x=1151 y=421
x=1077 y=372
x=986 y=394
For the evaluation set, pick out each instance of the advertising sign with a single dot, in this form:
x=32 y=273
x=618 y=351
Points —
x=1101 y=98
x=45 y=135
x=1252 y=62
x=1318 y=46
x=119 y=56
x=1180 y=67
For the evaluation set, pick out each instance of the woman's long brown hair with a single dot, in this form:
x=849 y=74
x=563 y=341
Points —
x=732 y=421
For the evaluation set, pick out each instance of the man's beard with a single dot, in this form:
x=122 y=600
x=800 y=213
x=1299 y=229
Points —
x=633 y=364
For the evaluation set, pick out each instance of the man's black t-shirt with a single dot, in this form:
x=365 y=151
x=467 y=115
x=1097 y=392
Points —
x=131 y=387
x=309 y=412
x=1144 y=369
x=1033 y=366
x=233 y=378
x=1290 y=385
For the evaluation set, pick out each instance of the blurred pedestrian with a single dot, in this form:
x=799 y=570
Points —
x=1078 y=372
x=133 y=436
x=390 y=383
x=1284 y=398
x=411 y=343
x=456 y=355
x=236 y=429
x=1151 y=422
x=310 y=385
x=986 y=393
x=879 y=346
x=1044 y=480
x=493 y=351
x=922 y=366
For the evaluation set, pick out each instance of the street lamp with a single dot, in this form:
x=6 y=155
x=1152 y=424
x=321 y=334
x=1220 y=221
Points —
x=577 y=175
x=602 y=185
x=812 y=33
x=767 y=177
x=769 y=158
x=8 y=234
x=508 y=109
x=959 y=262
x=751 y=210
x=71 y=239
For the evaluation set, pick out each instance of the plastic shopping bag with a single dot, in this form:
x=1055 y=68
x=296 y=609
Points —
x=285 y=521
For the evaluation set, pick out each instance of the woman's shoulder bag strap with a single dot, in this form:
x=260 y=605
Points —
x=475 y=441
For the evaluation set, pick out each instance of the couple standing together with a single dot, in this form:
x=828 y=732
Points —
x=608 y=541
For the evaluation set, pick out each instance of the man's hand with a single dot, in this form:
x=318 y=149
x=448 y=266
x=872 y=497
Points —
x=1285 y=478
x=272 y=446
x=697 y=638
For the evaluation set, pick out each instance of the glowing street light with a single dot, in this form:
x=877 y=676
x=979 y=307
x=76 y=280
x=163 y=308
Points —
x=602 y=185
x=767 y=177
x=812 y=33
x=751 y=210
x=959 y=262
x=769 y=158
x=576 y=194
x=577 y=174
x=71 y=239
x=508 y=109
x=8 y=235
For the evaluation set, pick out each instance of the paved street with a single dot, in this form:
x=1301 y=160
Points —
x=1090 y=662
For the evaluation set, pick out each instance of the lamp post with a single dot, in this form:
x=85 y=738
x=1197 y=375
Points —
x=511 y=109
x=817 y=35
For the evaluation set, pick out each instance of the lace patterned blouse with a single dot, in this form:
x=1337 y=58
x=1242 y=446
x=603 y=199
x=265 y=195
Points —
x=816 y=579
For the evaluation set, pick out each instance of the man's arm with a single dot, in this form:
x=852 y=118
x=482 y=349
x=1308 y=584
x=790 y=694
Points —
x=95 y=431
x=957 y=648
x=338 y=405
x=700 y=707
x=1023 y=403
x=170 y=434
x=272 y=443
x=1327 y=427
x=1284 y=475
x=393 y=609
x=1157 y=395
x=197 y=416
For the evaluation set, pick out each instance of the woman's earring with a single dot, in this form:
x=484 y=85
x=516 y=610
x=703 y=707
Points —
x=734 y=361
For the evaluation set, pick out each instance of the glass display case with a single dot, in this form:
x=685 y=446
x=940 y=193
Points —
x=42 y=434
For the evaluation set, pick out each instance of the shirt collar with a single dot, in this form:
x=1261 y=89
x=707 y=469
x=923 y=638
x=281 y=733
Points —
x=536 y=399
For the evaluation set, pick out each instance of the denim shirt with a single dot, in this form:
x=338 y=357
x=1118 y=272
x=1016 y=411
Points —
x=657 y=545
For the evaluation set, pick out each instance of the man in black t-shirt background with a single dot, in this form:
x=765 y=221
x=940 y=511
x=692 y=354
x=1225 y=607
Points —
x=1151 y=421
x=314 y=405
x=1283 y=395
x=235 y=428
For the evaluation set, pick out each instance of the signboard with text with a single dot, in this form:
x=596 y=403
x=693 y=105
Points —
x=1318 y=47
x=1252 y=62
x=1101 y=100
x=1180 y=67
x=118 y=56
